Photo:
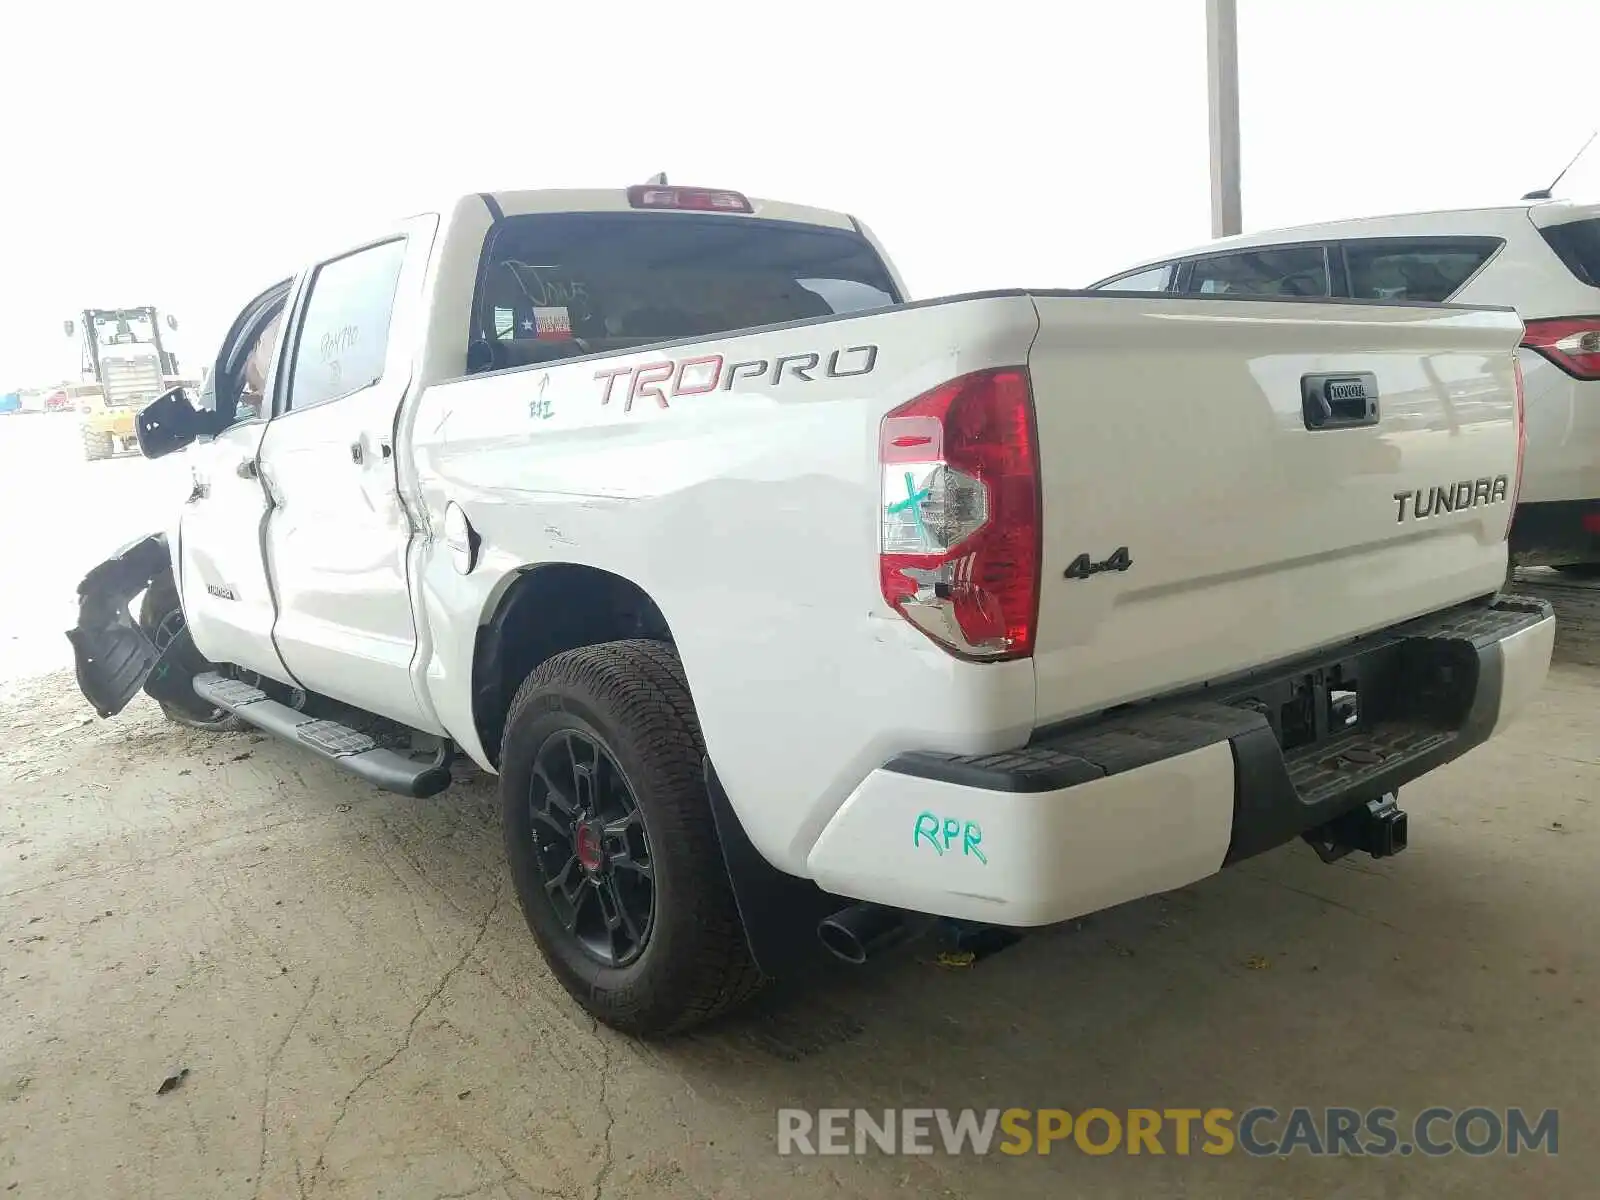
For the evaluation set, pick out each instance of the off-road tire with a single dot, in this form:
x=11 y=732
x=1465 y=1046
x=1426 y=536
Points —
x=159 y=604
x=631 y=697
x=97 y=446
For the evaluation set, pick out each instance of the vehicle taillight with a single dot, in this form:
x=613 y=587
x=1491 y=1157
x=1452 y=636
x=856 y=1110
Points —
x=959 y=555
x=1522 y=444
x=1572 y=343
x=649 y=195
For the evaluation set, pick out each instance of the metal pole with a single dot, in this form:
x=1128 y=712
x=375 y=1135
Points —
x=1222 y=87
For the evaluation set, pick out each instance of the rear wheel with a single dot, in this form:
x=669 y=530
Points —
x=611 y=842
x=161 y=619
x=97 y=445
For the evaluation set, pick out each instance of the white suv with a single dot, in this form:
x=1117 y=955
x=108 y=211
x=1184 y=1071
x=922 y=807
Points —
x=1541 y=258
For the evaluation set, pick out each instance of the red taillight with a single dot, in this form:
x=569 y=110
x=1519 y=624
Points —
x=1572 y=343
x=959 y=550
x=649 y=195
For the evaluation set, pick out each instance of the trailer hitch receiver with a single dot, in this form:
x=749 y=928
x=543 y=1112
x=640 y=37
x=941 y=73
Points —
x=1378 y=827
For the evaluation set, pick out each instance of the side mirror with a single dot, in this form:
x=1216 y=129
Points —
x=70 y=327
x=167 y=424
x=172 y=322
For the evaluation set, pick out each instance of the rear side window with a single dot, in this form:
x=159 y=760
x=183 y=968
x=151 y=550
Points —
x=1281 y=271
x=1577 y=245
x=344 y=332
x=1152 y=279
x=1415 y=268
x=554 y=285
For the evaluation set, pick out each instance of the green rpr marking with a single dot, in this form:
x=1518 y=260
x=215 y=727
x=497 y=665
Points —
x=912 y=501
x=940 y=834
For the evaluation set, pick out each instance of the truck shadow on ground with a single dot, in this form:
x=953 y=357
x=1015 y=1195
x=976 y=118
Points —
x=1351 y=965
x=1282 y=981
x=348 y=975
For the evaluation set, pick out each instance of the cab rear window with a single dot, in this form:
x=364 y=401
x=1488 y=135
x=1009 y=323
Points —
x=1577 y=245
x=1426 y=269
x=555 y=285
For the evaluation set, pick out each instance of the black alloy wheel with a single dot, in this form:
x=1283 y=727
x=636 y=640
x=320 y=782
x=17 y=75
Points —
x=592 y=848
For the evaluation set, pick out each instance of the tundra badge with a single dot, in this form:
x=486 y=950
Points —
x=1451 y=497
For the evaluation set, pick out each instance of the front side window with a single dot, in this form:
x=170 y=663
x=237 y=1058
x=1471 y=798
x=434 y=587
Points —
x=234 y=387
x=1415 y=269
x=1152 y=279
x=555 y=285
x=1284 y=271
x=252 y=400
x=344 y=329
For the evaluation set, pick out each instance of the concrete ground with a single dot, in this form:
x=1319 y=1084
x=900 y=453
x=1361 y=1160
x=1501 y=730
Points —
x=361 y=1012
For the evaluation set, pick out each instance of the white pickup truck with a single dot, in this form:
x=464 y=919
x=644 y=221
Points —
x=789 y=613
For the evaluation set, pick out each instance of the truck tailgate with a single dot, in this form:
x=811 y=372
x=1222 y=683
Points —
x=1198 y=522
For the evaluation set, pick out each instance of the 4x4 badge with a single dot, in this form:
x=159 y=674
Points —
x=1083 y=566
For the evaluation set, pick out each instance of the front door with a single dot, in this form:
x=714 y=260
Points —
x=338 y=531
x=227 y=602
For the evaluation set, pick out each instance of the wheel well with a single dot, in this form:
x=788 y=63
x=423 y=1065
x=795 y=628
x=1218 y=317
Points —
x=547 y=610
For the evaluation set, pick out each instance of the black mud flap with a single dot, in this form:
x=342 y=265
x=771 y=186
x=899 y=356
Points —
x=113 y=656
x=780 y=912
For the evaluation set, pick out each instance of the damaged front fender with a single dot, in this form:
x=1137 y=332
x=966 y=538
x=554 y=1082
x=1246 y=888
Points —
x=113 y=655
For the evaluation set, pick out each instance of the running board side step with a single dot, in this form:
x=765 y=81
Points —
x=356 y=752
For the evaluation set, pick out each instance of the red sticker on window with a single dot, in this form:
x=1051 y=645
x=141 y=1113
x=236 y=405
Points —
x=552 y=324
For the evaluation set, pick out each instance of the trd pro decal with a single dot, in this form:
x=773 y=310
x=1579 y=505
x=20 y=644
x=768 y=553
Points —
x=674 y=378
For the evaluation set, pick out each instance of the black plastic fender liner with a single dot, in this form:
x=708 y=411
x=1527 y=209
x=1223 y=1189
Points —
x=112 y=656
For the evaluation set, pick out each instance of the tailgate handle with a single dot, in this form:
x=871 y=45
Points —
x=1344 y=401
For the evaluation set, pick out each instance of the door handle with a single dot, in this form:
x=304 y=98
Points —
x=1348 y=401
x=247 y=469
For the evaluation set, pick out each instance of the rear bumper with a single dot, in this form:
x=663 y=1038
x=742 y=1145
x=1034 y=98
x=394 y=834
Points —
x=1157 y=797
x=1556 y=533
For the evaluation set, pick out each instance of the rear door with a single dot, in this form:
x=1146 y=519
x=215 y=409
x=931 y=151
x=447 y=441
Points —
x=227 y=602
x=338 y=532
x=1182 y=459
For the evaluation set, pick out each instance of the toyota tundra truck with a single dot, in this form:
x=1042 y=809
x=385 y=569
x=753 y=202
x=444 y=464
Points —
x=792 y=615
